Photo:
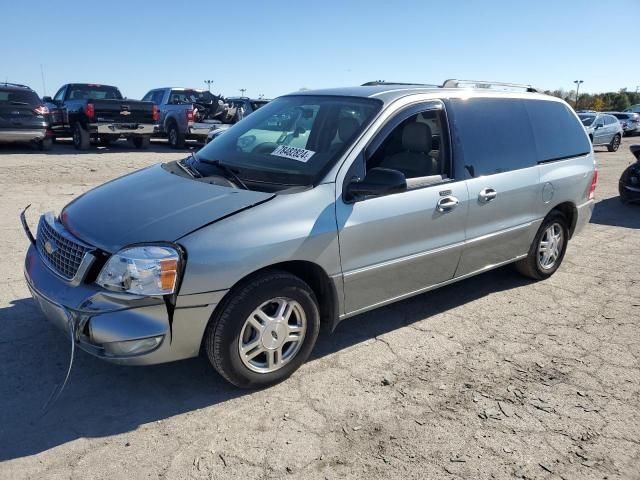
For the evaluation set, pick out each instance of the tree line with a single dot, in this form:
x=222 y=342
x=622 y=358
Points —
x=600 y=102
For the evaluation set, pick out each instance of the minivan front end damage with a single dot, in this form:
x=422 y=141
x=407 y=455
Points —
x=119 y=327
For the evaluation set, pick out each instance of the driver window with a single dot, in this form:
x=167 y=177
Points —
x=60 y=95
x=417 y=148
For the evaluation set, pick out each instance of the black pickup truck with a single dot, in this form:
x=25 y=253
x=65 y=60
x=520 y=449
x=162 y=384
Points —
x=99 y=113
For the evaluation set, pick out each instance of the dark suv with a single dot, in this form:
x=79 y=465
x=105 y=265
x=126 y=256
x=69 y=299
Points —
x=23 y=117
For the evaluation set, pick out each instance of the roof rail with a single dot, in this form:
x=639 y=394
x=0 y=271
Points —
x=384 y=82
x=454 y=83
x=7 y=84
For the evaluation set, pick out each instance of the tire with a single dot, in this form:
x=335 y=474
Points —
x=615 y=143
x=106 y=141
x=81 y=138
x=141 y=143
x=232 y=326
x=625 y=196
x=176 y=139
x=532 y=265
x=45 y=144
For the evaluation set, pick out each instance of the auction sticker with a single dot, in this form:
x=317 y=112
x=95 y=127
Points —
x=294 y=153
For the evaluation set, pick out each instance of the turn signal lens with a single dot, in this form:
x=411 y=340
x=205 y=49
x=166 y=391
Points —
x=168 y=274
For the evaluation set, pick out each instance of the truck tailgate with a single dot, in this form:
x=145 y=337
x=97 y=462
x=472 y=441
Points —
x=123 y=111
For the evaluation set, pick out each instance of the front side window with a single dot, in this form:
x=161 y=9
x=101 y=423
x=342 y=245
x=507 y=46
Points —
x=148 y=96
x=293 y=140
x=182 y=97
x=60 y=94
x=495 y=135
x=587 y=119
x=417 y=148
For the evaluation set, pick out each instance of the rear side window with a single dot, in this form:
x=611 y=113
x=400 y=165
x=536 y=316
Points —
x=557 y=132
x=495 y=135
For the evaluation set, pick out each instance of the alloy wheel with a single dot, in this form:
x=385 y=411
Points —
x=550 y=246
x=272 y=335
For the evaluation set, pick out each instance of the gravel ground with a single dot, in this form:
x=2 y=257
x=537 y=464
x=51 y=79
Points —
x=493 y=377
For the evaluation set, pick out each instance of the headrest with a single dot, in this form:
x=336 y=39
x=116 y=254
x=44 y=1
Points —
x=416 y=137
x=347 y=126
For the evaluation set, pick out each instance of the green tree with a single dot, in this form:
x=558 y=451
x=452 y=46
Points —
x=621 y=102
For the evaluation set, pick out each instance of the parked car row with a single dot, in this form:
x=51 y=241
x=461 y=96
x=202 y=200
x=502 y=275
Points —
x=100 y=114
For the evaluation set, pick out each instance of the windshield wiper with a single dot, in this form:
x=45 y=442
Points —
x=189 y=169
x=225 y=169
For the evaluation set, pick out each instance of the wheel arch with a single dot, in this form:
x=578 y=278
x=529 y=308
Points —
x=312 y=274
x=570 y=212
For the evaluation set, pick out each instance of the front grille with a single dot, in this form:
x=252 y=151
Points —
x=62 y=252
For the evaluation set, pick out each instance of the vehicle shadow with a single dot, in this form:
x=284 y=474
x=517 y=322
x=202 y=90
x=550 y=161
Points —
x=102 y=399
x=611 y=211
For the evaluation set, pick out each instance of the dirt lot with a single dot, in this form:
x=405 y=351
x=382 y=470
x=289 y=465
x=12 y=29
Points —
x=493 y=377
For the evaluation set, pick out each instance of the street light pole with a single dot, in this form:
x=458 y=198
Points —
x=577 y=82
x=208 y=82
x=242 y=90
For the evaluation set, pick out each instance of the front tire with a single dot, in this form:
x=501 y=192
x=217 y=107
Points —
x=45 y=144
x=81 y=137
x=264 y=331
x=615 y=143
x=547 y=249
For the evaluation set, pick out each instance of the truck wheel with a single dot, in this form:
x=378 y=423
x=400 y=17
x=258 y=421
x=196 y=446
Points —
x=141 y=142
x=176 y=139
x=81 y=138
x=548 y=248
x=264 y=331
x=45 y=144
x=615 y=143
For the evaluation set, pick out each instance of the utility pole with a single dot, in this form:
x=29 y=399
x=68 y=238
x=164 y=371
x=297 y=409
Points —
x=261 y=95
x=242 y=90
x=577 y=82
x=208 y=82
x=44 y=86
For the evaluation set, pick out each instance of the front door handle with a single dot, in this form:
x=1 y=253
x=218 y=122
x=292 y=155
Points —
x=446 y=204
x=487 y=194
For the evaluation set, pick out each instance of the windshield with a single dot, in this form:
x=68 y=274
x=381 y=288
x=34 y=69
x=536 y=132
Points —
x=587 y=120
x=256 y=104
x=292 y=140
x=93 y=92
x=179 y=97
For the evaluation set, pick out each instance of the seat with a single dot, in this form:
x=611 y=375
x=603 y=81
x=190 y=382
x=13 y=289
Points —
x=414 y=159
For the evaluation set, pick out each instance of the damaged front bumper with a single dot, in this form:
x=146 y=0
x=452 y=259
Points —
x=119 y=327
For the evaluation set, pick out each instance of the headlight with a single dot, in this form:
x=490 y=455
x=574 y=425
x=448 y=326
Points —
x=146 y=270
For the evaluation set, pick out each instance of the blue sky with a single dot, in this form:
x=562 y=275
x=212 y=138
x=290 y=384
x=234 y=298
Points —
x=275 y=47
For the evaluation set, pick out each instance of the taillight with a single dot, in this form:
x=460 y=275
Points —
x=189 y=114
x=89 y=111
x=155 y=113
x=592 y=188
x=41 y=110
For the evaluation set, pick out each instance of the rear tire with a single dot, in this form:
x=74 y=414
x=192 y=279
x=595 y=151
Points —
x=81 y=137
x=615 y=143
x=141 y=143
x=536 y=265
x=176 y=139
x=45 y=144
x=253 y=348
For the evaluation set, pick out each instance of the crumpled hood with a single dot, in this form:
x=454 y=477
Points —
x=151 y=205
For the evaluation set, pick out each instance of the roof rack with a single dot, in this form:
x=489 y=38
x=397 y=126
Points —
x=454 y=83
x=384 y=82
x=10 y=84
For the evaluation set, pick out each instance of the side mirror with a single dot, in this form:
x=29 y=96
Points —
x=376 y=183
x=599 y=125
x=635 y=149
x=47 y=99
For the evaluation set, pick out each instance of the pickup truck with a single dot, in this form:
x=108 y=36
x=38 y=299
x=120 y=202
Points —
x=190 y=113
x=90 y=112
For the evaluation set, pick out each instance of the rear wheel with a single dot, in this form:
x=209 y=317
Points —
x=141 y=142
x=81 y=137
x=264 y=331
x=45 y=144
x=176 y=139
x=548 y=248
x=615 y=143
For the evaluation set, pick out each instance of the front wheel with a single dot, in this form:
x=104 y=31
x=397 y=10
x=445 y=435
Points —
x=176 y=139
x=45 y=144
x=615 y=143
x=547 y=250
x=264 y=331
x=81 y=137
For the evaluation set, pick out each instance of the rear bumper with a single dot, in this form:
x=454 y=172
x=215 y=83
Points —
x=200 y=130
x=123 y=129
x=106 y=324
x=584 y=215
x=20 y=135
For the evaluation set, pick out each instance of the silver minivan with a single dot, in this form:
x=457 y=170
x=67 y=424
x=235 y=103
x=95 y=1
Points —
x=319 y=206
